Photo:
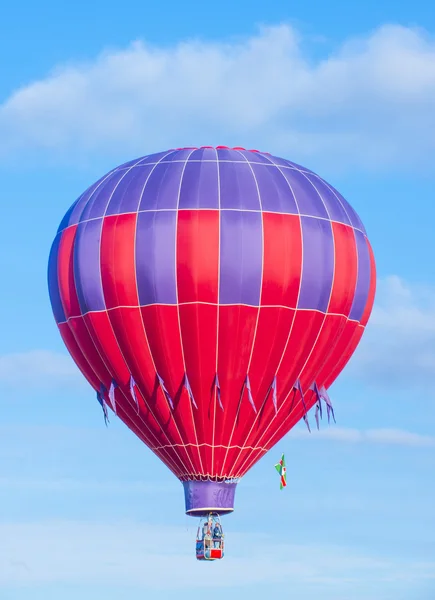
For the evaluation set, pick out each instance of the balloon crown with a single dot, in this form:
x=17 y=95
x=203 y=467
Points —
x=221 y=148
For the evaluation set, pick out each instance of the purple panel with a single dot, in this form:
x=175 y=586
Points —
x=53 y=283
x=81 y=203
x=332 y=203
x=163 y=186
x=354 y=218
x=203 y=154
x=203 y=497
x=228 y=154
x=97 y=204
x=308 y=200
x=237 y=186
x=256 y=157
x=87 y=272
x=152 y=159
x=126 y=197
x=275 y=192
x=318 y=264
x=241 y=257
x=363 y=280
x=179 y=155
x=199 y=188
x=280 y=162
x=67 y=216
x=155 y=257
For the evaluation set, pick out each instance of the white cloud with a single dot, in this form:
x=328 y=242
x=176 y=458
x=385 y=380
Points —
x=370 y=102
x=398 y=347
x=378 y=436
x=39 y=367
x=138 y=554
x=66 y=486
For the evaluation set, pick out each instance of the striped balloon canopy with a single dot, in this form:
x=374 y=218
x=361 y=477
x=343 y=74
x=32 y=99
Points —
x=211 y=296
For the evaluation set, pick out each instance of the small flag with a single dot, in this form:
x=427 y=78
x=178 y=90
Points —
x=281 y=468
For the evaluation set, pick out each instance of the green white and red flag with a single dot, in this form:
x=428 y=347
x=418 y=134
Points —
x=280 y=467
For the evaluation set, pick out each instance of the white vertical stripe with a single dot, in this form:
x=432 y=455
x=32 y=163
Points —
x=217 y=313
x=258 y=314
x=178 y=313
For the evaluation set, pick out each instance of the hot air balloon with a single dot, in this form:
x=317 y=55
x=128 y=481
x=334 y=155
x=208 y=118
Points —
x=211 y=296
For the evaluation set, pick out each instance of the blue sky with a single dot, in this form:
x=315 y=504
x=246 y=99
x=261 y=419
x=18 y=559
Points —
x=347 y=90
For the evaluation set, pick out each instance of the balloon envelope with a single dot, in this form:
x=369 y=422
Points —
x=200 y=291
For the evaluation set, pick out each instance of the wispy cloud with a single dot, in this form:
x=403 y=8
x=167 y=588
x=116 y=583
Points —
x=66 y=486
x=369 y=103
x=398 y=347
x=39 y=367
x=376 y=436
x=138 y=554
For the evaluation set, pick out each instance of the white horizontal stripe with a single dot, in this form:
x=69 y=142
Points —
x=91 y=312
x=214 y=160
x=209 y=446
x=175 y=210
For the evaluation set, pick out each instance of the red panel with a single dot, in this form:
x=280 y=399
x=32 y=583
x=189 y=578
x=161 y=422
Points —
x=270 y=340
x=101 y=332
x=130 y=335
x=123 y=409
x=77 y=355
x=118 y=260
x=337 y=328
x=282 y=259
x=162 y=427
x=274 y=325
x=198 y=256
x=84 y=341
x=199 y=330
x=126 y=413
x=345 y=270
x=236 y=336
x=163 y=334
x=248 y=458
x=303 y=335
x=334 y=359
x=65 y=271
x=371 y=297
x=324 y=349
